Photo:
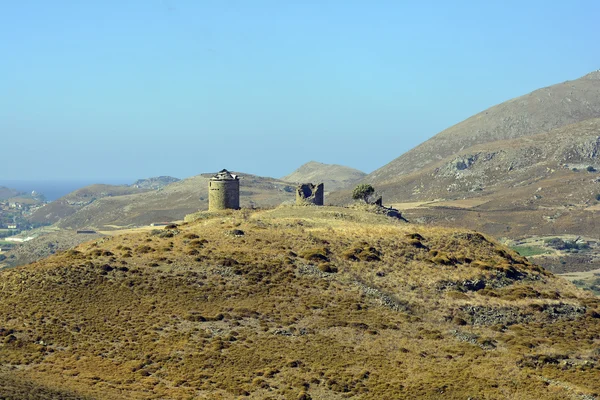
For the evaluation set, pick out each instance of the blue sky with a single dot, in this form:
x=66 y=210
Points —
x=113 y=89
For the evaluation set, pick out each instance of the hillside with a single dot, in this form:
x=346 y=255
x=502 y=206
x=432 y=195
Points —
x=172 y=202
x=295 y=303
x=502 y=168
x=44 y=245
x=525 y=168
x=538 y=186
x=334 y=176
x=7 y=193
x=540 y=111
x=154 y=183
x=75 y=201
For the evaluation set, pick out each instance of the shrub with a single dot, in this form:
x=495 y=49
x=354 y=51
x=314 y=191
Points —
x=144 y=249
x=326 y=267
x=560 y=244
x=319 y=254
x=362 y=192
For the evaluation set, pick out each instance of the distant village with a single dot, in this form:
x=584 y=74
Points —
x=14 y=213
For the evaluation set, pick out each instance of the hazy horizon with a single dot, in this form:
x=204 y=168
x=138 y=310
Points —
x=146 y=88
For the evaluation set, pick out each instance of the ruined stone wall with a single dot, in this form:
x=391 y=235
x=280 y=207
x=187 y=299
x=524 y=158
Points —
x=223 y=195
x=309 y=194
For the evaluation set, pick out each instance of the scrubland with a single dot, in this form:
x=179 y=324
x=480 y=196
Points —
x=295 y=303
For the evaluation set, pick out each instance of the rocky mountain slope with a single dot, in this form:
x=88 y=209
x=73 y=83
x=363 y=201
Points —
x=498 y=167
x=540 y=111
x=527 y=167
x=295 y=303
x=334 y=176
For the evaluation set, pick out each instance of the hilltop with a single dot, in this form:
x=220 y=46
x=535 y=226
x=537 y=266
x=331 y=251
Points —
x=334 y=176
x=295 y=303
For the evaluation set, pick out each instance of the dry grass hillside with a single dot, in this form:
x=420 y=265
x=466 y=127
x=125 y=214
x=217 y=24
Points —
x=543 y=184
x=80 y=198
x=45 y=244
x=295 y=303
x=334 y=176
x=506 y=169
x=7 y=193
x=169 y=203
x=540 y=111
x=527 y=167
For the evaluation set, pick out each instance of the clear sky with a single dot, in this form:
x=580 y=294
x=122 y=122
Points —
x=113 y=89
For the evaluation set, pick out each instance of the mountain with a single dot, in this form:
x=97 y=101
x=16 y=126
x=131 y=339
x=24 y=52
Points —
x=170 y=203
x=501 y=168
x=524 y=170
x=154 y=183
x=7 y=193
x=295 y=303
x=334 y=176
x=540 y=111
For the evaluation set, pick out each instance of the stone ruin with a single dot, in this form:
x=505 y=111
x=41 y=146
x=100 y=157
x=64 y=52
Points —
x=308 y=194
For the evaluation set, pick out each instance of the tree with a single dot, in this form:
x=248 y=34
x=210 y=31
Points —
x=363 y=192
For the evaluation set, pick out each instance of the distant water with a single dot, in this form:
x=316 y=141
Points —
x=56 y=189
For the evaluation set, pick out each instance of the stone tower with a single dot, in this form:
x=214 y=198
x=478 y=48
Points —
x=308 y=194
x=224 y=191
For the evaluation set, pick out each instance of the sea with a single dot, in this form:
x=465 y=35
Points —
x=55 y=189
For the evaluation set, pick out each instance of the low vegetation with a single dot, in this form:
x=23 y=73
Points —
x=528 y=251
x=321 y=303
x=363 y=192
x=566 y=245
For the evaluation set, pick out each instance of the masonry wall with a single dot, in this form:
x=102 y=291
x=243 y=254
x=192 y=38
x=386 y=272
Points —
x=309 y=194
x=223 y=195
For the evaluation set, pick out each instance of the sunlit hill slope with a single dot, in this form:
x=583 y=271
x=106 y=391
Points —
x=295 y=303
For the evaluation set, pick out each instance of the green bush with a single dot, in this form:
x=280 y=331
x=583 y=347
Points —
x=362 y=192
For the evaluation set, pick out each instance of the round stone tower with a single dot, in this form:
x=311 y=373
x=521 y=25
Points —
x=224 y=191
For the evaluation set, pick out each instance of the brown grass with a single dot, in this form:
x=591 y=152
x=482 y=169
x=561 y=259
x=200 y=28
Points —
x=284 y=312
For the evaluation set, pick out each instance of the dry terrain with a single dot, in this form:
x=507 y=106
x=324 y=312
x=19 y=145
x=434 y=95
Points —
x=81 y=198
x=169 y=203
x=334 y=177
x=45 y=243
x=540 y=111
x=295 y=303
x=527 y=167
